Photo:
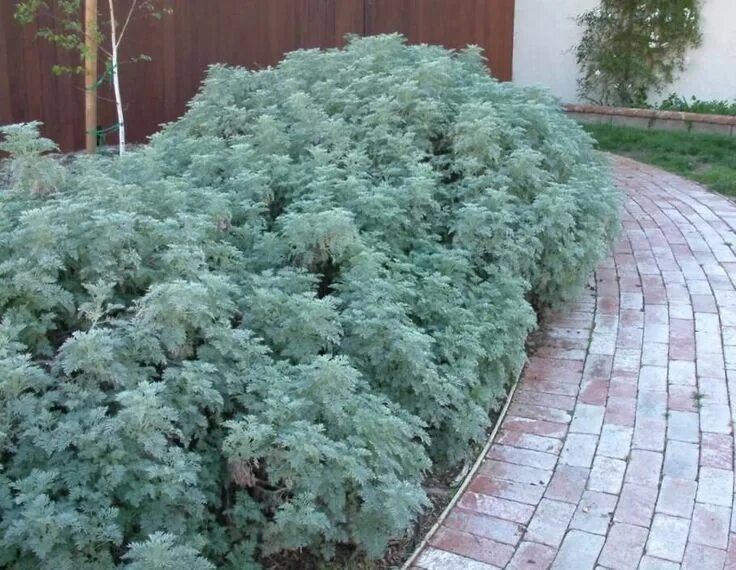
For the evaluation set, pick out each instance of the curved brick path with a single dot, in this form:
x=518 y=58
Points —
x=617 y=451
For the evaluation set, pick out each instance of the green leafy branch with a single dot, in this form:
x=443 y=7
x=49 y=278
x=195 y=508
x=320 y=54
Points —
x=631 y=48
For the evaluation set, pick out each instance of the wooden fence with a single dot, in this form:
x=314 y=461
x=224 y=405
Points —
x=239 y=32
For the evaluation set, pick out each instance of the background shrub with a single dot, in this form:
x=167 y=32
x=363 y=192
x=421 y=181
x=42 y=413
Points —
x=631 y=49
x=257 y=332
x=694 y=105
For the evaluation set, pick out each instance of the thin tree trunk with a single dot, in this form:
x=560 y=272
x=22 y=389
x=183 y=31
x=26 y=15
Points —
x=116 y=78
x=90 y=75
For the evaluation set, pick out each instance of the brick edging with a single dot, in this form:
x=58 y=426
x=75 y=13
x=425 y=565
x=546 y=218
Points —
x=723 y=125
x=652 y=114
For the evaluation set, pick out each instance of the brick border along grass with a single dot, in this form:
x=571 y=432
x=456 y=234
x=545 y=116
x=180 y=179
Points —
x=654 y=119
x=617 y=450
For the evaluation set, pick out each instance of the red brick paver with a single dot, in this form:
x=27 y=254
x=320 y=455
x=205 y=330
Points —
x=618 y=448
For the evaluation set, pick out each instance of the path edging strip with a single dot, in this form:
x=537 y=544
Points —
x=653 y=119
x=469 y=476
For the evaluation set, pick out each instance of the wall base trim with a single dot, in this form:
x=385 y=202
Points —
x=653 y=119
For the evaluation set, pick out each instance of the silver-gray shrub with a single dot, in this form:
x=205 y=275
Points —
x=258 y=332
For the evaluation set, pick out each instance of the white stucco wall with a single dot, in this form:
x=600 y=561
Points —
x=545 y=31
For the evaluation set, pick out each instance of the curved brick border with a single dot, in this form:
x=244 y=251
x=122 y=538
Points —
x=617 y=450
x=650 y=118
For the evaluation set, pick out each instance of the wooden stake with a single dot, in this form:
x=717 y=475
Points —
x=90 y=75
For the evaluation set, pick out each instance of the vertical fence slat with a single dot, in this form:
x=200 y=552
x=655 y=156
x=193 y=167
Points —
x=6 y=105
x=452 y=23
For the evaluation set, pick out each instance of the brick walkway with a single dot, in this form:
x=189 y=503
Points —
x=617 y=451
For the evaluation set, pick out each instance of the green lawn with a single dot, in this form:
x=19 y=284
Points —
x=708 y=159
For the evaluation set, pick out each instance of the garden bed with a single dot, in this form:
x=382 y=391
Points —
x=259 y=334
x=653 y=119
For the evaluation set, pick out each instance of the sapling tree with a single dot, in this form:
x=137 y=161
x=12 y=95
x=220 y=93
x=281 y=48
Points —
x=76 y=27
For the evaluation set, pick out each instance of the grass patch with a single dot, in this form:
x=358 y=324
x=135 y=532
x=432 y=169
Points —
x=708 y=159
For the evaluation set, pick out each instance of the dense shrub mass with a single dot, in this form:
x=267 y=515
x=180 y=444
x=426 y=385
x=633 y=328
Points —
x=258 y=332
